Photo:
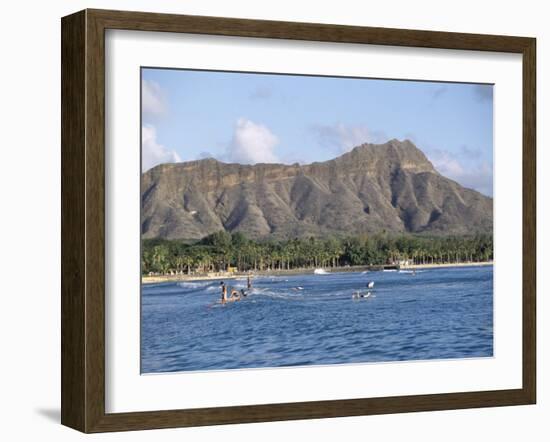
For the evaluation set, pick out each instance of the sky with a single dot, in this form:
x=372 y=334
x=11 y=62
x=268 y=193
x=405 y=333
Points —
x=252 y=118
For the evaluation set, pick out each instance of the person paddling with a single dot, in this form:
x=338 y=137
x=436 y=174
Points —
x=224 y=292
x=234 y=295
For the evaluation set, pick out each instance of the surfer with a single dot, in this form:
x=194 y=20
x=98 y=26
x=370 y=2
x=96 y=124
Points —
x=249 y=282
x=243 y=293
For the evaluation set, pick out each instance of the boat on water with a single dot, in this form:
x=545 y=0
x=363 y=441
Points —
x=320 y=272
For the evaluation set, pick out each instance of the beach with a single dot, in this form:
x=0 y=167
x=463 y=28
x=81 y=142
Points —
x=155 y=279
x=445 y=265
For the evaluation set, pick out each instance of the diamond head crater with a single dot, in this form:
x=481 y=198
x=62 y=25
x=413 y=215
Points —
x=376 y=205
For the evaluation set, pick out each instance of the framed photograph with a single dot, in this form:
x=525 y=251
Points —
x=267 y=220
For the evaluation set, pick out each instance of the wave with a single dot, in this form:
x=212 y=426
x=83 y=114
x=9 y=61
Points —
x=192 y=285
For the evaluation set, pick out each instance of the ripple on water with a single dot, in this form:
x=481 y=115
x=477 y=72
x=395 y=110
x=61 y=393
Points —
x=438 y=314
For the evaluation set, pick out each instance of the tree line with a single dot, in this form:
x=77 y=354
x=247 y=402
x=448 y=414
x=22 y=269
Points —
x=222 y=250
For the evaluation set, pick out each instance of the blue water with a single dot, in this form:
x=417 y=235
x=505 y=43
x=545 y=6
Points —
x=436 y=314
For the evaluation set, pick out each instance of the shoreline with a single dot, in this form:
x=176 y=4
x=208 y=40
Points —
x=224 y=275
x=437 y=266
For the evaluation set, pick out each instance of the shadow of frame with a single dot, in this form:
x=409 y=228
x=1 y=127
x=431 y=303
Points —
x=51 y=414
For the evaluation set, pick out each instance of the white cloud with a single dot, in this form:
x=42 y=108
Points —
x=480 y=178
x=446 y=163
x=342 y=138
x=252 y=143
x=153 y=153
x=477 y=176
x=152 y=98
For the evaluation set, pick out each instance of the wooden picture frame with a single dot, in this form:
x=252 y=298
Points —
x=83 y=220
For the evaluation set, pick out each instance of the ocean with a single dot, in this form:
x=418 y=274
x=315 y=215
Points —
x=314 y=319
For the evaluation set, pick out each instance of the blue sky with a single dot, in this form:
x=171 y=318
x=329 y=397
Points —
x=251 y=118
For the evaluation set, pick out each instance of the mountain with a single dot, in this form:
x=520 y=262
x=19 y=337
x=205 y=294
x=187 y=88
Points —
x=374 y=187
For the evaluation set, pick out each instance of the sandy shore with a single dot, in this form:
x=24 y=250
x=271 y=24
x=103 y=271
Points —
x=225 y=275
x=453 y=264
x=177 y=278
